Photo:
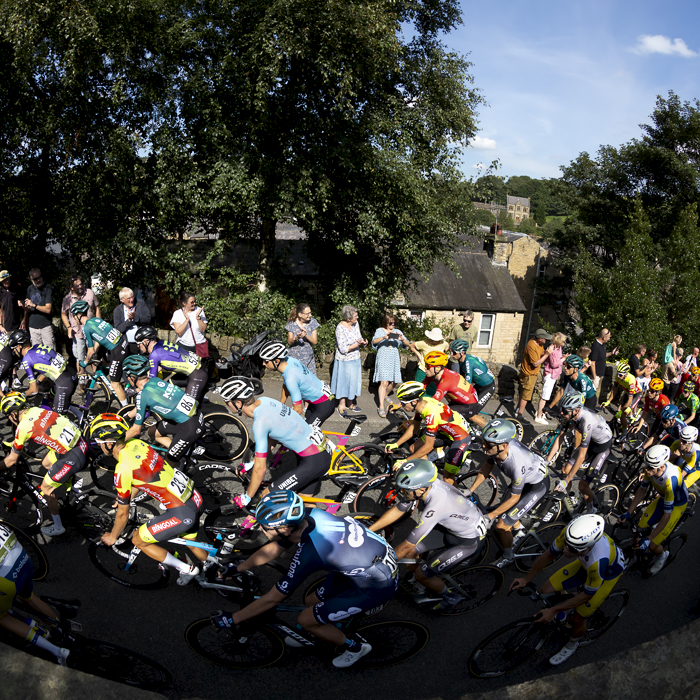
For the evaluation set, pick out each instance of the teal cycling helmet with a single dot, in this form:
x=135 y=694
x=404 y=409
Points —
x=459 y=345
x=574 y=361
x=416 y=474
x=498 y=432
x=570 y=402
x=280 y=509
x=79 y=308
x=136 y=365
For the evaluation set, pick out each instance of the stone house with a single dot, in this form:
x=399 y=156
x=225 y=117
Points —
x=518 y=207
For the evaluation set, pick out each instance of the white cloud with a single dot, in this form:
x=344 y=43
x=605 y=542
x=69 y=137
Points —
x=662 y=44
x=478 y=166
x=481 y=143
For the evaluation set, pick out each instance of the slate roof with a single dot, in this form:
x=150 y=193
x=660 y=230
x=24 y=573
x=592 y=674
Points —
x=510 y=199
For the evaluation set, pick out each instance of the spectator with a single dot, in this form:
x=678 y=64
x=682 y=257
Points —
x=648 y=365
x=635 y=359
x=670 y=351
x=37 y=310
x=599 y=357
x=690 y=361
x=465 y=330
x=11 y=303
x=129 y=315
x=435 y=342
x=387 y=368
x=78 y=292
x=533 y=357
x=584 y=352
x=552 y=370
x=302 y=335
x=346 y=383
x=190 y=322
x=671 y=375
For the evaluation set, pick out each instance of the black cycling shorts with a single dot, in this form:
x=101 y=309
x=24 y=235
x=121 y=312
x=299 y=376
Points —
x=318 y=413
x=184 y=435
x=64 y=387
x=466 y=410
x=306 y=476
x=197 y=384
x=596 y=456
x=115 y=358
x=175 y=522
x=591 y=403
x=449 y=553
x=529 y=498
x=68 y=464
x=485 y=393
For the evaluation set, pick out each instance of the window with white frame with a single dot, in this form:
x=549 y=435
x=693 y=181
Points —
x=486 y=326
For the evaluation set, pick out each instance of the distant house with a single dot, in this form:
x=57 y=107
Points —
x=518 y=208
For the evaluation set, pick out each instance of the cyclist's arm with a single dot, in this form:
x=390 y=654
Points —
x=405 y=550
x=272 y=598
x=261 y=433
x=256 y=475
x=264 y=555
x=570 y=604
x=556 y=398
x=391 y=516
x=92 y=349
x=542 y=562
x=11 y=459
x=120 y=522
x=638 y=495
x=407 y=435
x=425 y=449
x=485 y=471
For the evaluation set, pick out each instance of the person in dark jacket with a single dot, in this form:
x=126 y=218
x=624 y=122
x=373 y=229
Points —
x=129 y=315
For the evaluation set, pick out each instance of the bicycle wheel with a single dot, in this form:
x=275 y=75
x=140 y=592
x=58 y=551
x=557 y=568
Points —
x=607 y=614
x=254 y=647
x=39 y=562
x=149 y=421
x=224 y=437
x=542 y=443
x=476 y=584
x=487 y=492
x=608 y=497
x=118 y=664
x=674 y=545
x=393 y=642
x=507 y=648
x=628 y=494
x=377 y=496
x=368 y=459
x=103 y=399
x=102 y=471
x=532 y=545
x=95 y=514
x=227 y=523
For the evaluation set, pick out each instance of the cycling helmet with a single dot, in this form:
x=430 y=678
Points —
x=669 y=412
x=570 y=402
x=19 y=338
x=695 y=370
x=689 y=433
x=657 y=455
x=239 y=388
x=108 y=427
x=279 y=509
x=689 y=386
x=459 y=345
x=416 y=474
x=14 y=401
x=498 y=432
x=584 y=531
x=622 y=367
x=410 y=391
x=79 y=308
x=273 y=350
x=656 y=384
x=145 y=333
x=435 y=358
x=136 y=365
x=574 y=361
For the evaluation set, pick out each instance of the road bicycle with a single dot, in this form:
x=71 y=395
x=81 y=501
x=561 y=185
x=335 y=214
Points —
x=40 y=565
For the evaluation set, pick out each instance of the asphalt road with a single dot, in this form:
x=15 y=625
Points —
x=153 y=623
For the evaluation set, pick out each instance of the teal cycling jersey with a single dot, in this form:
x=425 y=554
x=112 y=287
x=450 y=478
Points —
x=303 y=384
x=582 y=384
x=476 y=371
x=98 y=331
x=171 y=357
x=167 y=400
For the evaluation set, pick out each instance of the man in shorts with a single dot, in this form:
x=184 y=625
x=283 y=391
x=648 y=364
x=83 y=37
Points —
x=534 y=356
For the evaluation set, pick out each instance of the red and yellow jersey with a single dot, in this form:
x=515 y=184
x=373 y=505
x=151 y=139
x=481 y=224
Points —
x=48 y=429
x=437 y=418
x=140 y=466
x=455 y=387
x=629 y=384
x=656 y=406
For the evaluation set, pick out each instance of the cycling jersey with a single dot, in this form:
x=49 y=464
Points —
x=692 y=402
x=593 y=428
x=581 y=384
x=454 y=387
x=475 y=371
x=629 y=384
x=15 y=571
x=98 y=331
x=521 y=466
x=272 y=419
x=167 y=400
x=303 y=384
x=656 y=405
x=689 y=460
x=669 y=486
x=446 y=506
x=48 y=429
x=140 y=466
x=436 y=417
x=671 y=433
x=43 y=360
x=171 y=357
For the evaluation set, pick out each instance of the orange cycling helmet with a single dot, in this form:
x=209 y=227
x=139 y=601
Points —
x=435 y=358
x=656 y=384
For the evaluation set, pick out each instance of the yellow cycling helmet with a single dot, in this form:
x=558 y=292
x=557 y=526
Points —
x=656 y=384
x=14 y=401
x=695 y=370
x=108 y=427
x=410 y=391
x=435 y=358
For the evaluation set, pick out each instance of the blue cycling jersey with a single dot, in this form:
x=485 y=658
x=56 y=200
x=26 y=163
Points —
x=344 y=546
x=476 y=371
x=303 y=384
x=674 y=432
x=272 y=419
x=169 y=356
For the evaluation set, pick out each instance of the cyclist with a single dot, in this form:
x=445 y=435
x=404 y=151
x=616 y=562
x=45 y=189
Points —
x=363 y=571
x=664 y=512
x=171 y=357
x=695 y=377
x=594 y=448
x=46 y=362
x=140 y=467
x=574 y=380
x=626 y=388
x=67 y=450
x=598 y=565
x=273 y=420
x=16 y=581
x=460 y=394
x=667 y=429
x=443 y=428
x=181 y=421
x=529 y=482
x=654 y=403
x=687 y=451
x=474 y=370
x=100 y=333
x=8 y=362
x=450 y=527
x=688 y=401
x=301 y=383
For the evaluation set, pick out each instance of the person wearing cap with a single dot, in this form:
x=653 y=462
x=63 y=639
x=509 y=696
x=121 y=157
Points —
x=533 y=357
x=74 y=329
x=435 y=341
x=11 y=303
x=37 y=310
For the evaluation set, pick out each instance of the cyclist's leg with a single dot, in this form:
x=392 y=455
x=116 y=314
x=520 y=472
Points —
x=454 y=458
x=531 y=495
x=58 y=474
x=64 y=388
x=583 y=612
x=442 y=561
x=319 y=412
x=305 y=477
x=469 y=411
x=116 y=358
x=597 y=454
x=184 y=435
x=197 y=384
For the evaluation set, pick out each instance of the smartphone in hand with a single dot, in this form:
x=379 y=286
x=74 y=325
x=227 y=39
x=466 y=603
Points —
x=394 y=336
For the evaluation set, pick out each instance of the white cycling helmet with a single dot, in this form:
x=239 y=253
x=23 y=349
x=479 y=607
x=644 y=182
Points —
x=657 y=456
x=689 y=433
x=274 y=350
x=236 y=388
x=583 y=532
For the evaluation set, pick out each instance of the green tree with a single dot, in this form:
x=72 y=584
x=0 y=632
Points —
x=484 y=217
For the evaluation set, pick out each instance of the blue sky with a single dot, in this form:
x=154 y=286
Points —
x=563 y=76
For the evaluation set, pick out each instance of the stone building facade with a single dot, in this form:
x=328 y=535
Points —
x=518 y=207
